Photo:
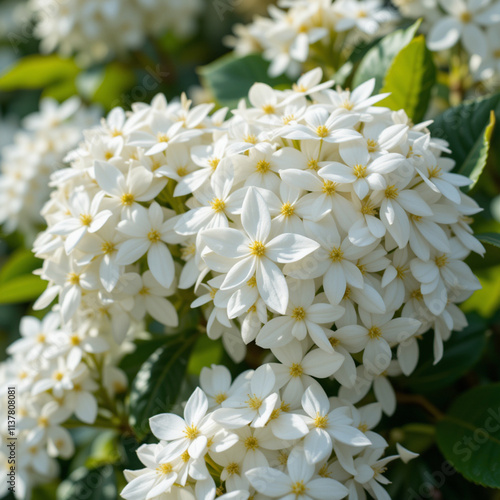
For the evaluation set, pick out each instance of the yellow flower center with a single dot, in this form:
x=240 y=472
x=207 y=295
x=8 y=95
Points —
x=41 y=338
x=75 y=340
x=434 y=172
x=347 y=105
x=329 y=187
x=86 y=219
x=269 y=109
x=258 y=249
x=334 y=342
x=322 y=131
x=108 y=247
x=191 y=432
x=185 y=457
x=374 y=332
x=391 y=193
x=372 y=145
x=466 y=17
x=299 y=488
x=368 y=209
x=360 y=171
x=218 y=205
x=144 y=291
x=363 y=427
x=127 y=199
x=251 y=443
x=73 y=278
x=252 y=282
x=165 y=468
x=233 y=468
x=163 y=137
x=154 y=236
x=58 y=376
x=296 y=370
x=214 y=163
x=321 y=421
x=43 y=422
x=108 y=155
x=313 y=165
x=251 y=139
x=336 y=255
x=401 y=272
x=417 y=295
x=220 y=398
x=298 y=314
x=182 y=171
x=253 y=402
x=441 y=261
x=287 y=210
x=263 y=166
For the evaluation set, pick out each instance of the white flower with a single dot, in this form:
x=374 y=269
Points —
x=186 y=434
x=255 y=254
x=148 y=233
x=302 y=317
x=463 y=22
x=300 y=482
x=252 y=403
x=330 y=428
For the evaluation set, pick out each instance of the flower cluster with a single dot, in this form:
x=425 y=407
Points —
x=474 y=24
x=333 y=221
x=106 y=248
x=38 y=150
x=95 y=29
x=256 y=438
x=312 y=215
x=310 y=31
x=60 y=375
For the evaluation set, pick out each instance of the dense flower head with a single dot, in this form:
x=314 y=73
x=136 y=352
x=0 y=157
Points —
x=302 y=31
x=475 y=25
x=309 y=216
x=57 y=373
x=37 y=151
x=96 y=29
x=253 y=438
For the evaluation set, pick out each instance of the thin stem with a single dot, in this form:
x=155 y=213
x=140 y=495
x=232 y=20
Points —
x=420 y=400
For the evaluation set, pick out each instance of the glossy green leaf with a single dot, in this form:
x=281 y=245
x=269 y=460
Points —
x=37 y=71
x=205 y=353
x=461 y=352
x=131 y=363
x=20 y=289
x=410 y=80
x=464 y=125
x=230 y=77
x=21 y=262
x=469 y=435
x=378 y=59
x=98 y=483
x=117 y=79
x=490 y=238
x=476 y=160
x=158 y=383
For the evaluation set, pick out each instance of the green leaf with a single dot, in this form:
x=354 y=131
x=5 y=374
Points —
x=469 y=435
x=464 y=125
x=205 y=352
x=490 y=238
x=476 y=160
x=98 y=484
x=37 y=71
x=131 y=363
x=461 y=353
x=158 y=383
x=21 y=262
x=410 y=80
x=21 y=289
x=230 y=77
x=378 y=60
x=117 y=79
